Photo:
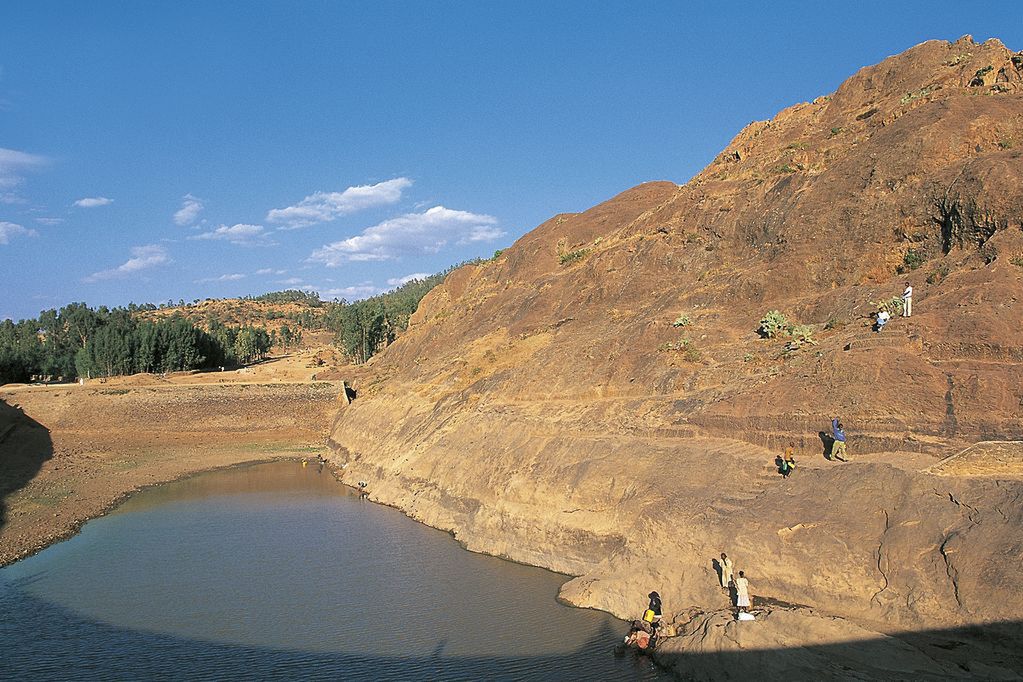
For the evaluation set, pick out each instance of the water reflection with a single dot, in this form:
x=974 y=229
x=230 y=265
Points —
x=277 y=568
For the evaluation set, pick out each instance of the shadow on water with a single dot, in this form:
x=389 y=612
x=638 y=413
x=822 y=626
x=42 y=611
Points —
x=24 y=445
x=46 y=641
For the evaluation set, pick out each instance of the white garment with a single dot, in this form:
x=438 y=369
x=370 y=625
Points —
x=726 y=572
x=907 y=301
x=741 y=592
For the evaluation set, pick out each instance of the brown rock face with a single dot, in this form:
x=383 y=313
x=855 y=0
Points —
x=598 y=400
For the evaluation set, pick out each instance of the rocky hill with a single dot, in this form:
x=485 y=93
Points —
x=598 y=399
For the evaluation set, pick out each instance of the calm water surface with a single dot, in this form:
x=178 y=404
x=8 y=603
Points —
x=277 y=571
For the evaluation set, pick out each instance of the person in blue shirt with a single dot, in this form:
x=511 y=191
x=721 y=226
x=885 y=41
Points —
x=838 y=448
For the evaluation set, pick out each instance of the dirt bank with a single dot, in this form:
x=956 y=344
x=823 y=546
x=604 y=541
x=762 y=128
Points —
x=68 y=453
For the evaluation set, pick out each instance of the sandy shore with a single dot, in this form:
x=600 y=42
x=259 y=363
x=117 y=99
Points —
x=69 y=453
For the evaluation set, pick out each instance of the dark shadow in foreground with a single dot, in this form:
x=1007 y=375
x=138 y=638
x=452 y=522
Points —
x=979 y=652
x=45 y=641
x=24 y=445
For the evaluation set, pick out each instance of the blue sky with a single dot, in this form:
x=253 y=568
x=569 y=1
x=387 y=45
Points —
x=178 y=150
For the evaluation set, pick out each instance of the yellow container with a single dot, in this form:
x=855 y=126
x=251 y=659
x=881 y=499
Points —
x=648 y=615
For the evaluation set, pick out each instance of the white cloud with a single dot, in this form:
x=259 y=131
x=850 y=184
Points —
x=234 y=277
x=400 y=281
x=246 y=235
x=93 y=202
x=8 y=230
x=190 y=209
x=349 y=293
x=323 y=207
x=14 y=163
x=426 y=232
x=13 y=166
x=271 y=271
x=142 y=258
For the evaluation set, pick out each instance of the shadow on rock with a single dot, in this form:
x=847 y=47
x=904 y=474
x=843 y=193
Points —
x=827 y=442
x=715 y=647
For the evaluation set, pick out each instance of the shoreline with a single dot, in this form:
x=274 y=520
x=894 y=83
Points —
x=563 y=502
x=124 y=495
x=82 y=453
x=69 y=455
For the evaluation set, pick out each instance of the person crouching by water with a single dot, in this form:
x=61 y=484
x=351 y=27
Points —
x=641 y=637
x=643 y=633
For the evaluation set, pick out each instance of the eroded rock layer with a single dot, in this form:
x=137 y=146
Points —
x=597 y=399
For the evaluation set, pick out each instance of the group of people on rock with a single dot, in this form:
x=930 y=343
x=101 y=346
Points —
x=643 y=632
x=907 y=309
x=741 y=599
x=787 y=463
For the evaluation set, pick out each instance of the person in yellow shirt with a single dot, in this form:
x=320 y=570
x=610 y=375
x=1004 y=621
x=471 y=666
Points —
x=788 y=462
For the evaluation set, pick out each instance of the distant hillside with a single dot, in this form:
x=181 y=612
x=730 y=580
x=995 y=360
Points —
x=80 y=341
x=271 y=311
x=359 y=329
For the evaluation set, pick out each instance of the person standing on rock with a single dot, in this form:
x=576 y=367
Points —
x=838 y=450
x=742 y=599
x=907 y=300
x=726 y=571
x=653 y=610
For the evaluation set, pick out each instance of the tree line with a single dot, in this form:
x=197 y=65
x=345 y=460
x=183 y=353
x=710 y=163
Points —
x=78 y=341
x=362 y=328
x=310 y=298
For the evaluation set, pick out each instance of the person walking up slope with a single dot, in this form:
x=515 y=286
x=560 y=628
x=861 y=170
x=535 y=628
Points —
x=907 y=300
x=788 y=462
x=838 y=450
